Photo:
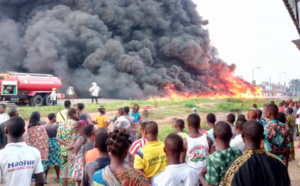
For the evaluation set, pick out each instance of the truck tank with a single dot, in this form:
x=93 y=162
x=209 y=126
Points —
x=36 y=83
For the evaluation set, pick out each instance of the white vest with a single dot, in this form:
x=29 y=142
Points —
x=197 y=152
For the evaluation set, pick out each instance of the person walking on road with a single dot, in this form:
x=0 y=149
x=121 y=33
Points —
x=94 y=90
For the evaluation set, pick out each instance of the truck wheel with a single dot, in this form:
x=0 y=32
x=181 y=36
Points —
x=47 y=100
x=37 y=100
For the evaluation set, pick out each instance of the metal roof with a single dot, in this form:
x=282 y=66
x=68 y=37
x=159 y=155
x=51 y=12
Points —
x=293 y=16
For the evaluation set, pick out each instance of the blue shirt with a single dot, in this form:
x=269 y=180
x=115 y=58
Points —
x=136 y=116
x=211 y=134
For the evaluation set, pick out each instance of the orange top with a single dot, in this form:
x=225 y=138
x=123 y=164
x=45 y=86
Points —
x=91 y=155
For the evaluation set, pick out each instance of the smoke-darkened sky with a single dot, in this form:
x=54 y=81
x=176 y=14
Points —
x=131 y=48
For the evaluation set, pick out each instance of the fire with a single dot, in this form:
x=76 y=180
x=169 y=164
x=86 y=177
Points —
x=231 y=87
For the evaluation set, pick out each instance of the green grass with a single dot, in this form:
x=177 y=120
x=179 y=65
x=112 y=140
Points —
x=165 y=129
x=25 y=112
x=174 y=107
x=238 y=105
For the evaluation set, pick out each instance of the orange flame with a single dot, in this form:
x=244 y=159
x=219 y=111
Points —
x=231 y=87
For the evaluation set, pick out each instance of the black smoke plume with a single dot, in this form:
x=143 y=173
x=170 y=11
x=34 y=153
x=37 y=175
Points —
x=131 y=48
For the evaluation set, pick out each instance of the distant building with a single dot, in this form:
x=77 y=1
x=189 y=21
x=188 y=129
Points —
x=272 y=89
x=293 y=7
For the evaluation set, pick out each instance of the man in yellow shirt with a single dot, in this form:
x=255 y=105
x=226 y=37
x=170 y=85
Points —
x=62 y=115
x=151 y=159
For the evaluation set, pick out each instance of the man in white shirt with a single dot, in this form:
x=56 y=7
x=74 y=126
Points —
x=175 y=173
x=53 y=97
x=238 y=140
x=3 y=116
x=94 y=90
x=62 y=115
x=19 y=161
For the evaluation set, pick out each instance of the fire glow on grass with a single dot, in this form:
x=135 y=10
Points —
x=231 y=87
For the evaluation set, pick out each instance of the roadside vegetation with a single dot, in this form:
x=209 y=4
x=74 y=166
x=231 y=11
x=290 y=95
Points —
x=163 y=107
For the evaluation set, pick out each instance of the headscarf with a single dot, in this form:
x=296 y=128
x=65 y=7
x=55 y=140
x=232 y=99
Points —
x=34 y=119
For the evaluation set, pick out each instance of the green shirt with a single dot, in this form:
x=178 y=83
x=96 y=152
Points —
x=182 y=134
x=218 y=162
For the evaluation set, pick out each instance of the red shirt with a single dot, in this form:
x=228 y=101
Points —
x=137 y=145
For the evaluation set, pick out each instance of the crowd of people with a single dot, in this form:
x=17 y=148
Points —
x=243 y=150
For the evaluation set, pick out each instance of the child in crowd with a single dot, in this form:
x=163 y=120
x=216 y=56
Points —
x=230 y=121
x=252 y=114
x=132 y=123
x=291 y=123
x=138 y=143
x=53 y=158
x=102 y=119
x=173 y=121
x=281 y=108
x=211 y=120
x=99 y=163
x=175 y=173
x=219 y=160
x=151 y=159
x=259 y=118
x=135 y=113
x=238 y=140
x=179 y=126
x=197 y=146
x=145 y=116
x=90 y=133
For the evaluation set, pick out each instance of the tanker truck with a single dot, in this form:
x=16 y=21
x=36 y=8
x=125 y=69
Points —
x=28 y=88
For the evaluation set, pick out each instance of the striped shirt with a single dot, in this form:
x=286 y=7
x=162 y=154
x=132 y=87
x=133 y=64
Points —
x=137 y=145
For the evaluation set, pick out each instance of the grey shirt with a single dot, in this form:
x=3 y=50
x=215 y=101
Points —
x=51 y=130
x=91 y=168
x=87 y=146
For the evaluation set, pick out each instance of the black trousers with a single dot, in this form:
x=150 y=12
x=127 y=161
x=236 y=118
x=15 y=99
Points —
x=54 y=102
x=95 y=98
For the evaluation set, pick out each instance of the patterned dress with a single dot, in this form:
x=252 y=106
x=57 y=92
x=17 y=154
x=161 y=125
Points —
x=66 y=133
x=36 y=136
x=54 y=158
x=291 y=123
x=277 y=137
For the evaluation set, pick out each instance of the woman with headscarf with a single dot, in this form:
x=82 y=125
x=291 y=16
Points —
x=36 y=136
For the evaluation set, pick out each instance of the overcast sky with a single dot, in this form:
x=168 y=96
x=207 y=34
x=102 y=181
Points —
x=253 y=33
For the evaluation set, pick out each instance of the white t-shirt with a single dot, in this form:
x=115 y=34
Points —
x=180 y=174
x=53 y=96
x=238 y=142
x=3 y=117
x=298 y=119
x=17 y=164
